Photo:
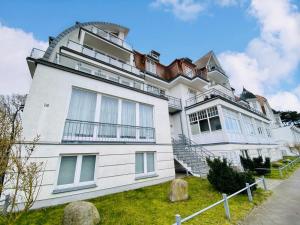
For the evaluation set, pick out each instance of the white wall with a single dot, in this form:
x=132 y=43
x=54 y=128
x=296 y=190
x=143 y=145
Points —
x=48 y=102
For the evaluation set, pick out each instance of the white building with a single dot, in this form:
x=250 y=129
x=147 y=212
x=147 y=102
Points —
x=106 y=114
x=102 y=128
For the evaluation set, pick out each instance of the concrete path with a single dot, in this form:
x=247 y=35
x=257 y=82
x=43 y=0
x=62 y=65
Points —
x=282 y=208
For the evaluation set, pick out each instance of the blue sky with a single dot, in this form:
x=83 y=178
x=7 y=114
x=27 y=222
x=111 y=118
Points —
x=236 y=30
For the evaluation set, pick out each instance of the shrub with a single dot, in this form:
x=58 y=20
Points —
x=247 y=163
x=225 y=179
x=260 y=163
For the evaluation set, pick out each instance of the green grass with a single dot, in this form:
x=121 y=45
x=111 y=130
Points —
x=150 y=205
x=287 y=172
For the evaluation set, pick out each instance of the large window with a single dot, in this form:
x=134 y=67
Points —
x=82 y=108
x=118 y=118
x=188 y=71
x=151 y=66
x=249 y=126
x=76 y=170
x=232 y=122
x=108 y=116
x=205 y=121
x=144 y=163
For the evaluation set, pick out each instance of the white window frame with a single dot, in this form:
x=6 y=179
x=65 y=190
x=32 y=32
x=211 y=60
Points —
x=76 y=182
x=151 y=66
x=146 y=173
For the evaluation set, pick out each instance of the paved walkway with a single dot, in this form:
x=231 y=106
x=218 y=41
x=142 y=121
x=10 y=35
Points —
x=282 y=208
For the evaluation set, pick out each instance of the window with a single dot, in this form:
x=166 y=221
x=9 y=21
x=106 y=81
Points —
x=205 y=120
x=82 y=108
x=144 y=163
x=151 y=66
x=129 y=119
x=249 y=126
x=259 y=152
x=76 y=170
x=146 y=121
x=232 y=122
x=108 y=117
x=188 y=71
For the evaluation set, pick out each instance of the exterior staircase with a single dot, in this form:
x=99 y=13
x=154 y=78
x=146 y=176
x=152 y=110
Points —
x=191 y=156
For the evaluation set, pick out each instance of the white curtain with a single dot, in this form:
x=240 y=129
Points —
x=108 y=117
x=82 y=108
x=139 y=163
x=67 y=170
x=128 y=118
x=87 y=168
x=146 y=120
x=150 y=162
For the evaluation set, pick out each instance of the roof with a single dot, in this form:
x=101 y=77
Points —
x=54 y=41
x=247 y=94
x=202 y=62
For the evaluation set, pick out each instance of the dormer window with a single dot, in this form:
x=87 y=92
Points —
x=188 y=71
x=151 y=66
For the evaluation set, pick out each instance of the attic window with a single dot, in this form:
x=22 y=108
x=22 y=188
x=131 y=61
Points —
x=151 y=66
x=154 y=54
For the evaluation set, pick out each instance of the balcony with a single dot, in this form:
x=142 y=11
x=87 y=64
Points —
x=94 y=132
x=213 y=93
x=174 y=104
x=103 y=57
x=110 y=37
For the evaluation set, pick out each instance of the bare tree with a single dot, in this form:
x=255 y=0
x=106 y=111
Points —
x=21 y=176
x=10 y=129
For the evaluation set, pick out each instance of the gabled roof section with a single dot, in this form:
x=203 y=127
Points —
x=54 y=41
x=203 y=61
x=247 y=94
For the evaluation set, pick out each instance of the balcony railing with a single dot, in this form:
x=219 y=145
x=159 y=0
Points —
x=37 y=53
x=216 y=68
x=96 y=71
x=174 y=102
x=103 y=57
x=84 y=131
x=212 y=93
x=111 y=37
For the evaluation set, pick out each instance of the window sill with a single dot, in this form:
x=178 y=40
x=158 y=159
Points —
x=69 y=189
x=146 y=176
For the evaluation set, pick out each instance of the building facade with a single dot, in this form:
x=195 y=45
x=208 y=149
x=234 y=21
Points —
x=106 y=115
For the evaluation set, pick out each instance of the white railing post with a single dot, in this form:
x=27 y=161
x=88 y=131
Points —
x=178 y=219
x=226 y=206
x=249 y=192
x=264 y=183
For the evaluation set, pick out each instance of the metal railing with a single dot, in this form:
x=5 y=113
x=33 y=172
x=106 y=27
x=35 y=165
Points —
x=109 y=36
x=212 y=93
x=37 y=53
x=85 y=131
x=174 y=102
x=283 y=170
x=103 y=57
x=225 y=199
x=5 y=205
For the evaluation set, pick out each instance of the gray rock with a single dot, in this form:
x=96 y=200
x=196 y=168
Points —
x=178 y=190
x=81 y=213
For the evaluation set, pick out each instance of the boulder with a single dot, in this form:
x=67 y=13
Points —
x=81 y=213
x=178 y=190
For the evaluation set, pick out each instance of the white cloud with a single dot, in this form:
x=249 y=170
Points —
x=227 y=2
x=16 y=45
x=185 y=10
x=271 y=58
x=285 y=100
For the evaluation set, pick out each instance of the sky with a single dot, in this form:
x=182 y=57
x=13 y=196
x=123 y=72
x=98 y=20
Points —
x=256 y=41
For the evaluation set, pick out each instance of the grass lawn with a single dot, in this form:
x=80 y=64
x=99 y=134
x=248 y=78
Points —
x=287 y=172
x=150 y=205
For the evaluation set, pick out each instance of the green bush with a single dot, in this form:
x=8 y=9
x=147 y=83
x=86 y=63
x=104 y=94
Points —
x=247 y=163
x=225 y=179
x=260 y=163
